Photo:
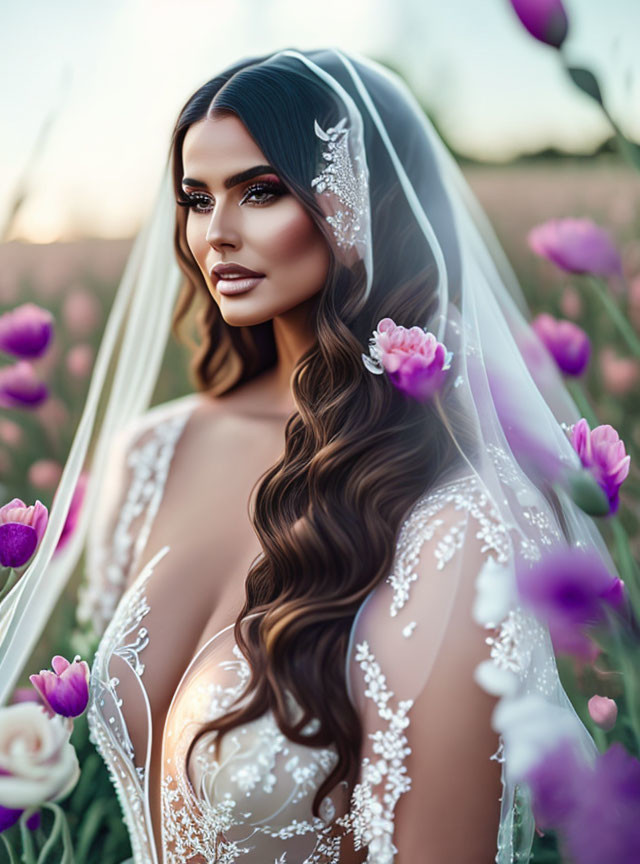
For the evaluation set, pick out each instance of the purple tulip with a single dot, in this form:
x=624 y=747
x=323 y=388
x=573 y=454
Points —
x=26 y=331
x=414 y=360
x=21 y=530
x=19 y=387
x=569 y=589
x=577 y=246
x=546 y=20
x=603 y=453
x=9 y=817
x=567 y=343
x=66 y=689
x=593 y=808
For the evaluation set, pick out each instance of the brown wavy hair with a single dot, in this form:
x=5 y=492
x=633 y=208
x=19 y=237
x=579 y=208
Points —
x=358 y=453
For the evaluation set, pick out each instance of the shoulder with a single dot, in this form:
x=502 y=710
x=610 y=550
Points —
x=165 y=417
x=448 y=536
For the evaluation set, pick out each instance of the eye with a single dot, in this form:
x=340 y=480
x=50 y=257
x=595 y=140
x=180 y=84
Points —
x=258 y=194
x=265 y=188
x=192 y=202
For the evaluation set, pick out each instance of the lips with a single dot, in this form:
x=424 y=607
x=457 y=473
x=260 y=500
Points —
x=233 y=271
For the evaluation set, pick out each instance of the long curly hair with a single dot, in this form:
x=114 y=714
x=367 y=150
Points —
x=357 y=454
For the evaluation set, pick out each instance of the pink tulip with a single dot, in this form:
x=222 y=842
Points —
x=26 y=331
x=19 y=387
x=603 y=453
x=74 y=511
x=10 y=433
x=21 y=530
x=413 y=358
x=45 y=474
x=66 y=689
x=603 y=711
x=577 y=246
x=79 y=360
x=546 y=20
x=619 y=374
x=81 y=313
x=567 y=343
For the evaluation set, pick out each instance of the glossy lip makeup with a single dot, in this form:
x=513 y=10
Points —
x=237 y=285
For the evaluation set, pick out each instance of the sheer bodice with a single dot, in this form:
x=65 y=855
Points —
x=414 y=643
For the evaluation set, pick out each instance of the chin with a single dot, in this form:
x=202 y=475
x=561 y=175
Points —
x=247 y=317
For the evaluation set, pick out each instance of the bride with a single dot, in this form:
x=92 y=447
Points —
x=290 y=568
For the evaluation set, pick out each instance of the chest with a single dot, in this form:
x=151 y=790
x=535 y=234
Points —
x=204 y=517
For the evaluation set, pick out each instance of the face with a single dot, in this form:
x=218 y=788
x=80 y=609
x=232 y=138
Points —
x=238 y=215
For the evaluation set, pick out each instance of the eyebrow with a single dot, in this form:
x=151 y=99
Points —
x=235 y=179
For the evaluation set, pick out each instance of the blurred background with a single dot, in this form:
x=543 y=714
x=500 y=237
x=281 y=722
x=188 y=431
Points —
x=89 y=98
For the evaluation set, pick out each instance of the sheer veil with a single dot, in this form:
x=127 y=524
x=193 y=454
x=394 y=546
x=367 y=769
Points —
x=481 y=317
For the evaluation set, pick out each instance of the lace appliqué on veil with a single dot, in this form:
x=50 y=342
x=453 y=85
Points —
x=124 y=638
x=111 y=562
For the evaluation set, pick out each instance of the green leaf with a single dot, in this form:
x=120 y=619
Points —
x=586 y=81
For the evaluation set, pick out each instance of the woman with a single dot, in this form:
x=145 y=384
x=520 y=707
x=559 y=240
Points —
x=289 y=566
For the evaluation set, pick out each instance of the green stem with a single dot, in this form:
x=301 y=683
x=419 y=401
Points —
x=626 y=564
x=599 y=737
x=28 y=851
x=12 y=578
x=60 y=825
x=627 y=332
x=628 y=677
x=581 y=400
x=13 y=858
x=90 y=827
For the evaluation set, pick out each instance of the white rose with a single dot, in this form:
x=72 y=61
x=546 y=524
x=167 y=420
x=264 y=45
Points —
x=37 y=761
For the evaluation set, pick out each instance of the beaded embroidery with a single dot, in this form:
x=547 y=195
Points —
x=346 y=177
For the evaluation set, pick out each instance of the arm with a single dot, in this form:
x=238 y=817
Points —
x=429 y=788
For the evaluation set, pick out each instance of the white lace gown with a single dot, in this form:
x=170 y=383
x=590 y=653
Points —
x=253 y=804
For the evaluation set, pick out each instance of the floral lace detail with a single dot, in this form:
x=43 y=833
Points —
x=216 y=819
x=384 y=780
x=125 y=638
x=519 y=639
x=112 y=563
x=468 y=497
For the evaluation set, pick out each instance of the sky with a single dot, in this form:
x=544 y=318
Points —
x=91 y=91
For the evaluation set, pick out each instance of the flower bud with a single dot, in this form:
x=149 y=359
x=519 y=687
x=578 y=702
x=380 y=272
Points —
x=603 y=711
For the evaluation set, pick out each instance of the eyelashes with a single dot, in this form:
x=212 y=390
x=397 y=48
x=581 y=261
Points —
x=272 y=190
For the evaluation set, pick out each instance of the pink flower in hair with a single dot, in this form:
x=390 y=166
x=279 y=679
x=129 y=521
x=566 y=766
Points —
x=412 y=357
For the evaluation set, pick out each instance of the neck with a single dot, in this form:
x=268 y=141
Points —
x=294 y=334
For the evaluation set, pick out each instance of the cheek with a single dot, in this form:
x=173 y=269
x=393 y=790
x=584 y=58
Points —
x=290 y=238
x=196 y=241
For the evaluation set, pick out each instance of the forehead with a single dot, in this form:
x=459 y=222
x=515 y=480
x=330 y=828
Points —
x=217 y=146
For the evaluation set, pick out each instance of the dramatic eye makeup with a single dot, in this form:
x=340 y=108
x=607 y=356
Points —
x=258 y=193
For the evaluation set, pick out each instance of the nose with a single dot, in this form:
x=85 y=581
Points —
x=221 y=231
